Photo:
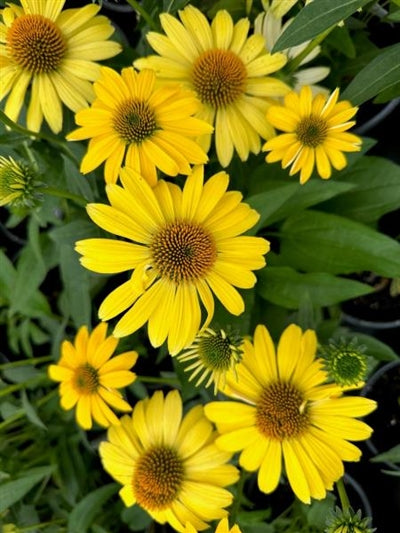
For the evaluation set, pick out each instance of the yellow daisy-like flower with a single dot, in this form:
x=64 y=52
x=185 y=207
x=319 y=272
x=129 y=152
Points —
x=145 y=127
x=288 y=412
x=228 y=71
x=315 y=133
x=222 y=527
x=169 y=464
x=90 y=377
x=211 y=355
x=184 y=246
x=54 y=53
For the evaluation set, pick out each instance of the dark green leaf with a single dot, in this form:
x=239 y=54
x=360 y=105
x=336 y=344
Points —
x=340 y=39
x=136 y=518
x=376 y=190
x=288 y=288
x=7 y=277
x=31 y=412
x=315 y=18
x=12 y=492
x=319 y=242
x=381 y=73
x=392 y=456
x=85 y=512
x=268 y=202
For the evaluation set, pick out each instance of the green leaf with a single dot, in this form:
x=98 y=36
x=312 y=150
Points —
x=381 y=73
x=376 y=190
x=12 y=492
x=391 y=456
x=76 y=286
x=268 y=202
x=319 y=242
x=288 y=288
x=136 y=518
x=340 y=39
x=7 y=277
x=84 y=513
x=31 y=412
x=375 y=348
x=314 y=19
x=74 y=231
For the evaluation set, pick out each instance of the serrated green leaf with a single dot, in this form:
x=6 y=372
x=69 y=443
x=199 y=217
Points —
x=315 y=18
x=380 y=74
x=12 y=492
x=84 y=513
x=285 y=287
x=319 y=242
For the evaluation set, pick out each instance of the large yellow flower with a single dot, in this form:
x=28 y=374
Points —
x=315 y=133
x=288 y=412
x=186 y=246
x=131 y=121
x=170 y=465
x=228 y=71
x=90 y=378
x=53 y=52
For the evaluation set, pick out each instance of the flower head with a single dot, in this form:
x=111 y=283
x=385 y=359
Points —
x=90 y=377
x=18 y=184
x=169 y=464
x=347 y=521
x=288 y=413
x=53 y=52
x=222 y=527
x=344 y=362
x=315 y=133
x=213 y=353
x=133 y=122
x=184 y=245
x=228 y=71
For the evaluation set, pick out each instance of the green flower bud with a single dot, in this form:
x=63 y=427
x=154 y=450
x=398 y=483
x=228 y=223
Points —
x=18 y=184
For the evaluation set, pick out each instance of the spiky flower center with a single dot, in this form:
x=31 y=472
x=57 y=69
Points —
x=219 y=77
x=312 y=131
x=36 y=43
x=183 y=251
x=216 y=351
x=346 y=364
x=86 y=379
x=281 y=411
x=134 y=121
x=158 y=478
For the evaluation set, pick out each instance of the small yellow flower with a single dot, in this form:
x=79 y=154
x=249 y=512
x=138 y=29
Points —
x=53 y=53
x=182 y=247
x=168 y=463
x=228 y=70
x=284 y=414
x=315 y=133
x=90 y=377
x=133 y=122
x=222 y=527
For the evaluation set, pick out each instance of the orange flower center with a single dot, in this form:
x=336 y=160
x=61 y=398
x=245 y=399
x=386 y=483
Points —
x=158 y=478
x=281 y=411
x=134 y=121
x=86 y=379
x=219 y=77
x=36 y=43
x=183 y=251
x=312 y=131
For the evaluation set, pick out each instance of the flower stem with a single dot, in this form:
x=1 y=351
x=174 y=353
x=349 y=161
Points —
x=52 y=139
x=24 y=362
x=344 y=500
x=41 y=525
x=237 y=501
x=143 y=13
x=294 y=63
x=64 y=194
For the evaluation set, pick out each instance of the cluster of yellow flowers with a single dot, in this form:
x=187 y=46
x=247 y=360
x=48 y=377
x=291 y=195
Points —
x=184 y=247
